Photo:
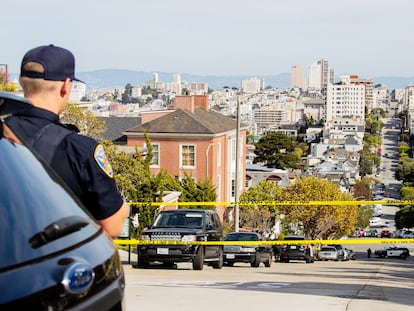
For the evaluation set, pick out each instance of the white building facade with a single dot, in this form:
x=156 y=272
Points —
x=345 y=100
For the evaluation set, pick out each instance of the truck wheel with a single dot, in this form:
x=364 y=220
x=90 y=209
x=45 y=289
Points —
x=198 y=260
x=268 y=262
x=219 y=263
x=256 y=261
x=142 y=263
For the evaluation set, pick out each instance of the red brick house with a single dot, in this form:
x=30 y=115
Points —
x=192 y=139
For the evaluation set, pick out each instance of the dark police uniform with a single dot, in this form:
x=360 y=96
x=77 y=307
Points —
x=79 y=160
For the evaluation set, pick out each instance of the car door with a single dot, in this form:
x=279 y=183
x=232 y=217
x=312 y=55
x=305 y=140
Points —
x=213 y=233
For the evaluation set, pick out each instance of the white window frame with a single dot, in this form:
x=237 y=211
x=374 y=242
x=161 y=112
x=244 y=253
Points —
x=182 y=146
x=156 y=165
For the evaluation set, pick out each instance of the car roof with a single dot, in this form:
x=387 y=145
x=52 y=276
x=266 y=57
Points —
x=185 y=210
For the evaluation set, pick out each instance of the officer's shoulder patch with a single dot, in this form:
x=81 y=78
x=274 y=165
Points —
x=102 y=160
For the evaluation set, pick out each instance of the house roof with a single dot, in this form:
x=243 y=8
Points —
x=114 y=126
x=181 y=121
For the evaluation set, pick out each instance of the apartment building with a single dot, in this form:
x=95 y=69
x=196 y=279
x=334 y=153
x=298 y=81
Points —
x=408 y=104
x=320 y=75
x=345 y=99
x=297 y=78
x=190 y=139
x=251 y=86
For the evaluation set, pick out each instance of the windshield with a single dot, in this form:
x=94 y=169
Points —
x=174 y=220
x=241 y=237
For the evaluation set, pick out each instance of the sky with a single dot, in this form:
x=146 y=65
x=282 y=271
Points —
x=370 y=38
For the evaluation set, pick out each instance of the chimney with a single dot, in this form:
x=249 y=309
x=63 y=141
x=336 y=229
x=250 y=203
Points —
x=190 y=102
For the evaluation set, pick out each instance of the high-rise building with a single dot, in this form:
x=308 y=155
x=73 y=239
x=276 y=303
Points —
x=345 y=100
x=297 y=78
x=251 y=86
x=320 y=75
x=315 y=77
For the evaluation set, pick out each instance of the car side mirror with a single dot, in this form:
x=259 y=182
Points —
x=209 y=227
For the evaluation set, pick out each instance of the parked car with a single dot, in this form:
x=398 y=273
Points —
x=254 y=254
x=407 y=234
x=328 y=253
x=360 y=233
x=393 y=251
x=183 y=225
x=350 y=254
x=341 y=251
x=54 y=255
x=373 y=233
x=385 y=234
x=375 y=222
x=377 y=210
x=295 y=251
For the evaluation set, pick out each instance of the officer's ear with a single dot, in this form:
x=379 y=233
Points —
x=66 y=88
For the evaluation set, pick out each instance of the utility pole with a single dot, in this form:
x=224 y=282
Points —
x=237 y=175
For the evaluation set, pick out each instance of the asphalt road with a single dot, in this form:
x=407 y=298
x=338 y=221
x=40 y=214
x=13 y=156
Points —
x=363 y=284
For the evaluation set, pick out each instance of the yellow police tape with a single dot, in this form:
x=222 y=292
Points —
x=273 y=242
x=280 y=203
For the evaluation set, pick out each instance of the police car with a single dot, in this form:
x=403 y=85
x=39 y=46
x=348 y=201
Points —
x=54 y=256
x=393 y=251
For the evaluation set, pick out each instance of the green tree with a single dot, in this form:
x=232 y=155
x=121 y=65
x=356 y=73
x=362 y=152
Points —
x=366 y=162
x=365 y=213
x=319 y=221
x=255 y=215
x=276 y=150
x=404 y=218
x=87 y=123
x=192 y=191
x=405 y=170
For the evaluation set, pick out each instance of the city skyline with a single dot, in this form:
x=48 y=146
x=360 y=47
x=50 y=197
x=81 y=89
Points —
x=368 y=38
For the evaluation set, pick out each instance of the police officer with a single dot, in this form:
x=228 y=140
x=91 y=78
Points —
x=46 y=77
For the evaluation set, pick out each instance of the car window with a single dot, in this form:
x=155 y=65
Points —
x=179 y=219
x=33 y=205
x=328 y=249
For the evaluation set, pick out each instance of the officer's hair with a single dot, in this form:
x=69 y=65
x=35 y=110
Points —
x=35 y=85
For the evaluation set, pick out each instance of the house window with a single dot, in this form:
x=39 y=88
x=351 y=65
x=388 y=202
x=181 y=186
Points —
x=218 y=154
x=187 y=155
x=155 y=162
x=233 y=150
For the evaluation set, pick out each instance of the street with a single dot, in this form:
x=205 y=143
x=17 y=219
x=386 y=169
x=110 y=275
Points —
x=362 y=284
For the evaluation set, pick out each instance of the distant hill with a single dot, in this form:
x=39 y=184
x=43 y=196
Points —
x=109 y=78
x=114 y=78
